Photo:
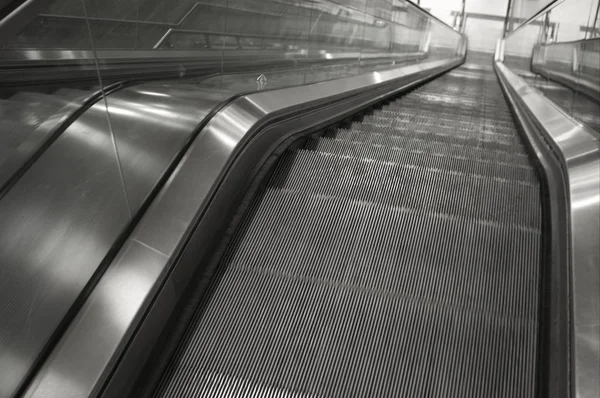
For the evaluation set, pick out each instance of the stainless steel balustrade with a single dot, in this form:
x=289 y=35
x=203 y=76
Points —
x=551 y=78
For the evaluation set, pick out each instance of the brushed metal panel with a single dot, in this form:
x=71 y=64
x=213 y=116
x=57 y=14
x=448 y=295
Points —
x=59 y=221
x=56 y=225
x=30 y=141
x=135 y=259
x=151 y=123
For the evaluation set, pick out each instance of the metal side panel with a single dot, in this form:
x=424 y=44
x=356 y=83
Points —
x=151 y=122
x=63 y=216
x=32 y=142
x=579 y=152
x=172 y=217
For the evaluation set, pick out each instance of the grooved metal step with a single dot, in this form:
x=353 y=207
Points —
x=453 y=135
x=434 y=144
x=401 y=114
x=449 y=114
x=404 y=185
x=400 y=120
x=427 y=159
x=380 y=261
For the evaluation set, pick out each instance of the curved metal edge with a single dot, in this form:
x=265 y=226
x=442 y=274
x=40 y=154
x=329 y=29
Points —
x=553 y=343
x=131 y=304
x=44 y=135
x=578 y=152
x=18 y=15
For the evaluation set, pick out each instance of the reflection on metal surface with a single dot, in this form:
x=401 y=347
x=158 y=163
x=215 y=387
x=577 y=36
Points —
x=28 y=120
x=53 y=229
x=115 y=317
x=64 y=214
x=575 y=64
x=54 y=65
x=151 y=122
x=579 y=152
x=211 y=37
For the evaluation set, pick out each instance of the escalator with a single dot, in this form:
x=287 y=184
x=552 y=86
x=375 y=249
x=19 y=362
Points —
x=395 y=255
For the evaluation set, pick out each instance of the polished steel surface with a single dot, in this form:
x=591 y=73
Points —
x=56 y=228
x=61 y=218
x=581 y=107
x=575 y=64
x=25 y=57
x=151 y=122
x=170 y=216
x=37 y=58
x=24 y=131
x=579 y=153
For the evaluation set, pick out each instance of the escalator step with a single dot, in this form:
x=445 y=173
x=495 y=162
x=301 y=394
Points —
x=28 y=114
x=12 y=137
x=452 y=136
x=456 y=127
x=457 y=99
x=460 y=118
x=28 y=97
x=365 y=324
x=419 y=158
x=71 y=94
x=402 y=185
x=451 y=109
x=433 y=144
